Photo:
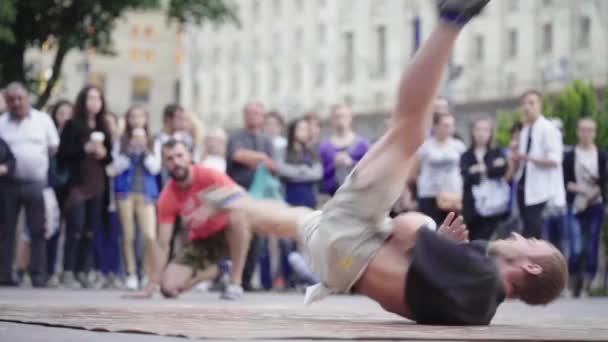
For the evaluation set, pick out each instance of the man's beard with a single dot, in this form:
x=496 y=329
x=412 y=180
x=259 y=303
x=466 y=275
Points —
x=179 y=174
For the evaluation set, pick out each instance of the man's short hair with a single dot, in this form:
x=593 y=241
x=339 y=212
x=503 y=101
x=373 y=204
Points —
x=543 y=288
x=170 y=110
x=171 y=143
x=531 y=92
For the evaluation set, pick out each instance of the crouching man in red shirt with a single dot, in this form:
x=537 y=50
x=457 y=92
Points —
x=210 y=238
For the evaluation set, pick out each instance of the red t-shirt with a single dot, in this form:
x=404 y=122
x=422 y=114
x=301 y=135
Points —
x=174 y=202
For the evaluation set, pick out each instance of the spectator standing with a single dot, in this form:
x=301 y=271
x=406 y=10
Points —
x=85 y=150
x=585 y=177
x=314 y=126
x=247 y=149
x=215 y=149
x=106 y=242
x=136 y=166
x=342 y=151
x=274 y=127
x=61 y=113
x=539 y=165
x=31 y=136
x=439 y=182
x=482 y=162
x=300 y=170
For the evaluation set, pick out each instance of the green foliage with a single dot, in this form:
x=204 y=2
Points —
x=504 y=123
x=81 y=24
x=578 y=100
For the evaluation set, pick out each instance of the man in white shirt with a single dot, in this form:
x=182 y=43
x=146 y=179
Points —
x=539 y=165
x=32 y=136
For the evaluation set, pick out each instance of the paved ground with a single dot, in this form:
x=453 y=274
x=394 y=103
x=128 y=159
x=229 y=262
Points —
x=270 y=316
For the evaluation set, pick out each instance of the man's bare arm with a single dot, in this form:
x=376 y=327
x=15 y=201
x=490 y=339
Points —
x=160 y=250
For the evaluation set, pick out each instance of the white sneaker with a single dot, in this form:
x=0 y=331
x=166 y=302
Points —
x=132 y=283
x=232 y=292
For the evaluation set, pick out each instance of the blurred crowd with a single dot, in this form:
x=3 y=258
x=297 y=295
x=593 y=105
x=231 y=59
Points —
x=80 y=185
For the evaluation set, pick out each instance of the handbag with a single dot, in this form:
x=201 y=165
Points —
x=265 y=185
x=449 y=201
x=491 y=197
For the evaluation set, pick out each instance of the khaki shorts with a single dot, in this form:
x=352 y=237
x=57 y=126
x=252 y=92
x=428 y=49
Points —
x=343 y=238
x=204 y=253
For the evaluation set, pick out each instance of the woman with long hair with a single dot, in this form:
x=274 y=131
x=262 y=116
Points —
x=85 y=150
x=300 y=170
x=482 y=161
x=137 y=167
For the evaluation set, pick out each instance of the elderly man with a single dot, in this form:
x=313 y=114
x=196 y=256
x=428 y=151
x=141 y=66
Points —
x=32 y=136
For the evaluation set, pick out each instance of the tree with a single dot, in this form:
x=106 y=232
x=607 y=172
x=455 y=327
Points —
x=80 y=24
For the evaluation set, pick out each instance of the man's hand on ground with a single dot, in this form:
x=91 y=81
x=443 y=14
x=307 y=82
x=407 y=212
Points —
x=146 y=293
x=453 y=228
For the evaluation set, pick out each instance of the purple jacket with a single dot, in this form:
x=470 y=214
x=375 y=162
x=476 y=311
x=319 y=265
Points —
x=332 y=178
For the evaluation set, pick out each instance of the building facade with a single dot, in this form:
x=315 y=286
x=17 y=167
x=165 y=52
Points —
x=300 y=55
x=144 y=68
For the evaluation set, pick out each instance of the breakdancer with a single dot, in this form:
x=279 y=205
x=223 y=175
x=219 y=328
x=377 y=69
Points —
x=427 y=276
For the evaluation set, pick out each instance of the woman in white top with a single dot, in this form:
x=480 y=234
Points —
x=439 y=183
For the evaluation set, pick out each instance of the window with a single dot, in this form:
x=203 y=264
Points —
x=216 y=55
x=513 y=43
x=255 y=49
x=214 y=90
x=253 y=90
x=348 y=56
x=547 y=41
x=299 y=6
x=548 y=3
x=275 y=79
x=135 y=30
x=299 y=39
x=297 y=76
x=322 y=34
x=584 y=39
x=135 y=55
x=234 y=86
x=320 y=74
x=149 y=56
x=513 y=5
x=140 y=88
x=149 y=31
x=381 y=50
x=479 y=48
x=255 y=8
x=276 y=4
x=236 y=52
x=379 y=99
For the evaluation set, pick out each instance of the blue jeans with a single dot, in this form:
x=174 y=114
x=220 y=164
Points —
x=555 y=230
x=585 y=240
x=106 y=246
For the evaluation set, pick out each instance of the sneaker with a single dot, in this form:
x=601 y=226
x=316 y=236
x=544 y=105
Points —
x=232 y=292
x=132 y=283
x=460 y=11
x=113 y=282
x=85 y=280
x=68 y=280
x=53 y=281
